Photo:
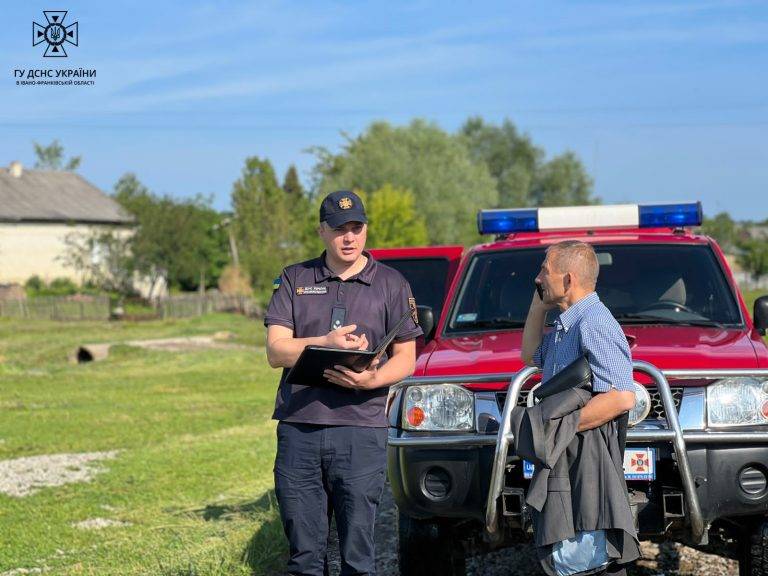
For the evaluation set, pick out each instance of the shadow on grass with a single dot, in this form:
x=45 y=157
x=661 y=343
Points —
x=266 y=551
x=227 y=512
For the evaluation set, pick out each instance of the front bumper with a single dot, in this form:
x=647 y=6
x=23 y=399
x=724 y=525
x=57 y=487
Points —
x=709 y=469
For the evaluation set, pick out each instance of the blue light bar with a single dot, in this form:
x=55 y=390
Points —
x=666 y=215
x=508 y=221
x=616 y=216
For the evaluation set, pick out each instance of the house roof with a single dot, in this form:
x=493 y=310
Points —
x=48 y=196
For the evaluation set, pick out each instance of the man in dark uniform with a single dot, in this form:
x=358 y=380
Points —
x=331 y=439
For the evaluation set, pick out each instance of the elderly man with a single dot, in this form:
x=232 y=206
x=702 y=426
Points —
x=583 y=327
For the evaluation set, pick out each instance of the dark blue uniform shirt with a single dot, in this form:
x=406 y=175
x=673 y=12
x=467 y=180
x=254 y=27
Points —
x=303 y=300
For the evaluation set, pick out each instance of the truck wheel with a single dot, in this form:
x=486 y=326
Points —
x=753 y=559
x=427 y=548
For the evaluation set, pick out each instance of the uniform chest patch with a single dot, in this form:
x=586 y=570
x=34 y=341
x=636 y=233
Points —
x=310 y=290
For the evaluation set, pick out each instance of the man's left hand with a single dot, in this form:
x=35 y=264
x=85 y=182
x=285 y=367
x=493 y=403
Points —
x=347 y=378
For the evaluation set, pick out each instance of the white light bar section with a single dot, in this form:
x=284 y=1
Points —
x=586 y=217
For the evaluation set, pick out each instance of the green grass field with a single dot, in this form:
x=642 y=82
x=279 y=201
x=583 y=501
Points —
x=193 y=477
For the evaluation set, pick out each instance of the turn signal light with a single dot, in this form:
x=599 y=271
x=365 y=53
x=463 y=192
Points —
x=415 y=416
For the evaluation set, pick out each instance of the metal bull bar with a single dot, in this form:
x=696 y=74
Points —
x=673 y=433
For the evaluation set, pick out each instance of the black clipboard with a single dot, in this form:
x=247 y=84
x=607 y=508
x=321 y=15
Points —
x=314 y=360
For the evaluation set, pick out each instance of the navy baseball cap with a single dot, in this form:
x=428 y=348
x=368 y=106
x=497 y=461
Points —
x=341 y=207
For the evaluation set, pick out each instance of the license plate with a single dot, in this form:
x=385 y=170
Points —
x=639 y=464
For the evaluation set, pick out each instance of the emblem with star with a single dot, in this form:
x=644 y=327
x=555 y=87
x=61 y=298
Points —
x=55 y=34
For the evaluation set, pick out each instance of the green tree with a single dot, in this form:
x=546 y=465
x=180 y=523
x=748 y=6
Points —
x=523 y=177
x=512 y=159
x=562 y=181
x=303 y=214
x=182 y=241
x=722 y=228
x=393 y=219
x=102 y=258
x=292 y=184
x=447 y=184
x=264 y=226
x=51 y=157
x=753 y=256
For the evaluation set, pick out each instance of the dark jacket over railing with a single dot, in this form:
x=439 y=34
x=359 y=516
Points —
x=578 y=481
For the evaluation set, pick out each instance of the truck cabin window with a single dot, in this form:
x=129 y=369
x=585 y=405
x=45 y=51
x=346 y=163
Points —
x=640 y=284
x=427 y=277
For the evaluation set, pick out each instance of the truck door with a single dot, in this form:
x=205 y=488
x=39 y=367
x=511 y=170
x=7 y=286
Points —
x=429 y=271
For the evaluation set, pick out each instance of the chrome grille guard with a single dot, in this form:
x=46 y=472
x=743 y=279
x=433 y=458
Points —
x=673 y=433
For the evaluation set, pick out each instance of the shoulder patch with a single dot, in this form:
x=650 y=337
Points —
x=276 y=283
x=414 y=311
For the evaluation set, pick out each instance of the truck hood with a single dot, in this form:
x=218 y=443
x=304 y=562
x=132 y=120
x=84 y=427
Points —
x=667 y=347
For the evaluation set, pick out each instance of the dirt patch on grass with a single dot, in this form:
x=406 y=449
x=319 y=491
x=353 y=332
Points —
x=24 y=476
x=100 y=524
x=20 y=571
x=219 y=341
x=187 y=344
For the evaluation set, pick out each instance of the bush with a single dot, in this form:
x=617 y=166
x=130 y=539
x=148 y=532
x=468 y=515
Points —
x=34 y=284
x=62 y=287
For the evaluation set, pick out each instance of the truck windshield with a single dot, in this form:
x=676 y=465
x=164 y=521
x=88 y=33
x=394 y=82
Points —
x=640 y=284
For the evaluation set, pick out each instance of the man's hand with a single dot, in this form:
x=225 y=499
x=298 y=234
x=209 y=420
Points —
x=343 y=338
x=347 y=378
x=541 y=303
x=533 y=331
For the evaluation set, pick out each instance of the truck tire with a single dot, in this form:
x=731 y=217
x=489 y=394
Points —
x=428 y=548
x=753 y=559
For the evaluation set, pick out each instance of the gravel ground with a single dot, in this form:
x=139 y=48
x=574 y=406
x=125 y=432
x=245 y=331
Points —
x=24 y=476
x=668 y=559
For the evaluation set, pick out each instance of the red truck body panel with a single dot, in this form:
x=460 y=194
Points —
x=668 y=347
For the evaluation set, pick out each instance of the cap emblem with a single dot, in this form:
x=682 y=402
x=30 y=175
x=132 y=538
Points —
x=345 y=203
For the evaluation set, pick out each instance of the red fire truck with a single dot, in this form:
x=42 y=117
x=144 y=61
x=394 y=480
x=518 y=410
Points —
x=696 y=461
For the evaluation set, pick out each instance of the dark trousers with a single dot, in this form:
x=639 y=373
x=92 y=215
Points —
x=326 y=471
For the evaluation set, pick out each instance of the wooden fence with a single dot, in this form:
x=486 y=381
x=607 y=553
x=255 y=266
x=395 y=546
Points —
x=186 y=306
x=57 y=308
x=67 y=308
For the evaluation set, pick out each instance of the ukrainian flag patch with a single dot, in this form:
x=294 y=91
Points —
x=276 y=283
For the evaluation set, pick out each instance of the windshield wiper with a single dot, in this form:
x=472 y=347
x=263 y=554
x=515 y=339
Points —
x=651 y=319
x=493 y=323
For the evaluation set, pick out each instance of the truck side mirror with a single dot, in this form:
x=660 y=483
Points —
x=760 y=315
x=427 y=320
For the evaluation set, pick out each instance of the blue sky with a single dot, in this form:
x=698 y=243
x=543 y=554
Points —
x=661 y=100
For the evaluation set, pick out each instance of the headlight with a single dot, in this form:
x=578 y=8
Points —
x=642 y=405
x=438 y=407
x=737 y=402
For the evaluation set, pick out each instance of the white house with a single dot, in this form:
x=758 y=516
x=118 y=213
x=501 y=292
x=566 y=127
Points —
x=38 y=210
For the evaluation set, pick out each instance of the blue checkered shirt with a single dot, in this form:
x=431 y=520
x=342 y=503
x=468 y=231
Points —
x=587 y=327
